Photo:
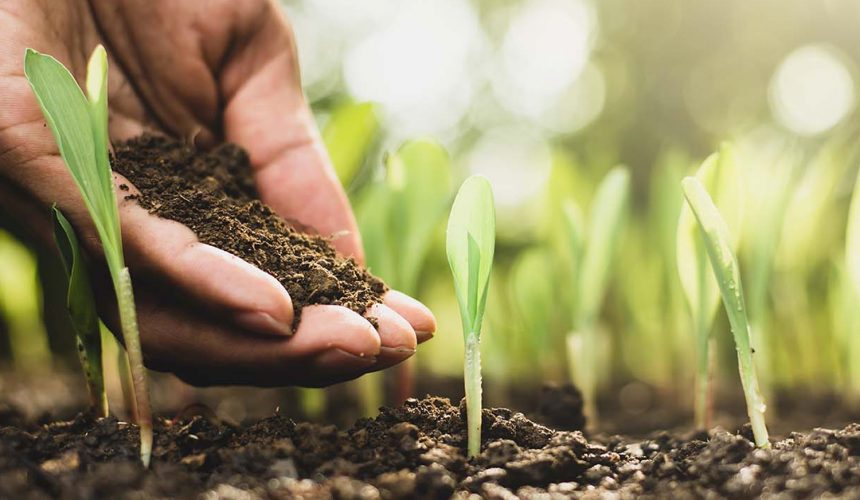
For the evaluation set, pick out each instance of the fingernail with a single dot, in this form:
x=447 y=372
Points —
x=423 y=336
x=262 y=323
x=345 y=361
x=400 y=353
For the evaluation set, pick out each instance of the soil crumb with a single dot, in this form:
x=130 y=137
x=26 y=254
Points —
x=414 y=451
x=213 y=193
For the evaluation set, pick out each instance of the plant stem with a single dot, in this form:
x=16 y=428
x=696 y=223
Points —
x=725 y=267
x=131 y=335
x=472 y=370
x=704 y=372
x=90 y=355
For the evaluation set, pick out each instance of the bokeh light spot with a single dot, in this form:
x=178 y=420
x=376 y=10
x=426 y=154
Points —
x=812 y=90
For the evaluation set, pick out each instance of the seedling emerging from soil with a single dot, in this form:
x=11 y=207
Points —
x=724 y=264
x=81 y=303
x=593 y=253
x=852 y=263
x=719 y=175
x=471 y=242
x=399 y=219
x=79 y=124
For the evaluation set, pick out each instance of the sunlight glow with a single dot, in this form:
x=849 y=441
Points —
x=812 y=91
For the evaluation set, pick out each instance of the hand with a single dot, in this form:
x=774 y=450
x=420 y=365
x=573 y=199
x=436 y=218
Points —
x=207 y=72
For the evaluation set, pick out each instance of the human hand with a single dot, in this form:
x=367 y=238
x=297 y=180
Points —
x=205 y=71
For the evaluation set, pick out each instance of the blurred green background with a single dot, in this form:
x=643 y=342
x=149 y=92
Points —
x=544 y=97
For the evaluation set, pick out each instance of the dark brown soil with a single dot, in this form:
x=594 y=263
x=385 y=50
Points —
x=414 y=451
x=213 y=193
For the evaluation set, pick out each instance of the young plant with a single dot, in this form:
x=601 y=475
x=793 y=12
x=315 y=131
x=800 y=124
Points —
x=81 y=304
x=398 y=219
x=471 y=242
x=719 y=174
x=21 y=306
x=851 y=338
x=593 y=253
x=80 y=127
x=724 y=264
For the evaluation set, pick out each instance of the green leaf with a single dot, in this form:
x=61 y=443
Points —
x=419 y=179
x=348 y=136
x=533 y=293
x=608 y=210
x=471 y=239
x=720 y=175
x=81 y=303
x=373 y=208
x=80 y=298
x=724 y=265
x=70 y=117
x=852 y=239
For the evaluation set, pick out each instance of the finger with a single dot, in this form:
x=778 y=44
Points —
x=396 y=335
x=413 y=311
x=266 y=113
x=331 y=344
x=221 y=281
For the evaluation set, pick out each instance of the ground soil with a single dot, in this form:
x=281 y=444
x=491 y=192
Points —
x=213 y=193
x=413 y=451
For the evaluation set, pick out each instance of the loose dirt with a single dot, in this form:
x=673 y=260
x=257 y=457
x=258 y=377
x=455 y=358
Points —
x=414 y=451
x=213 y=193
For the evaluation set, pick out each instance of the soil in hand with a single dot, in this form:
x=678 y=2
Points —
x=213 y=193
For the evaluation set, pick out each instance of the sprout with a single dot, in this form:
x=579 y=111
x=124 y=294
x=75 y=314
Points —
x=852 y=263
x=398 y=220
x=21 y=305
x=79 y=124
x=81 y=303
x=719 y=173
x=592 y=253
x=348 y=135
x=716 y=238
x=471 y=241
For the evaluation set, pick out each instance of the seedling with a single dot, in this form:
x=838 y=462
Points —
x=81 y=304
x=719 y=173
x=471 y=241
x=398 y=219
x=717 y=242
x=79 y=124
x=592 y=253
x=20 y=305
x=852 y=263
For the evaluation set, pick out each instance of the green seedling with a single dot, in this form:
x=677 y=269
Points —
x=719 y=173
x=534 y=301
x=471 y=242
x=349 y=134
x=398 y=219
x=852 y=263
x=79 y=123
x=724 y=264
x=21 y=305
x=81 y=303
x=593 y=252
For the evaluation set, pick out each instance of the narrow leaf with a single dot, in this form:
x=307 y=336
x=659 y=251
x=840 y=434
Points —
x=81 y=303
x=471 y=240
x=607 y=217
x=717 y=241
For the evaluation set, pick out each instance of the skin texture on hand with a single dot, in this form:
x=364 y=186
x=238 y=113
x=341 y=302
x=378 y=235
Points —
x=206 y=72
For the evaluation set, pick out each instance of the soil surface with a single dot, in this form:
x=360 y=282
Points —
x=213 y=193
x=413 y=451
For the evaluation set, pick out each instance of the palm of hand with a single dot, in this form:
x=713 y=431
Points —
x=211 y=71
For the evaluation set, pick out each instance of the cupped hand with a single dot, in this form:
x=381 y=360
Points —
x=205 y=72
